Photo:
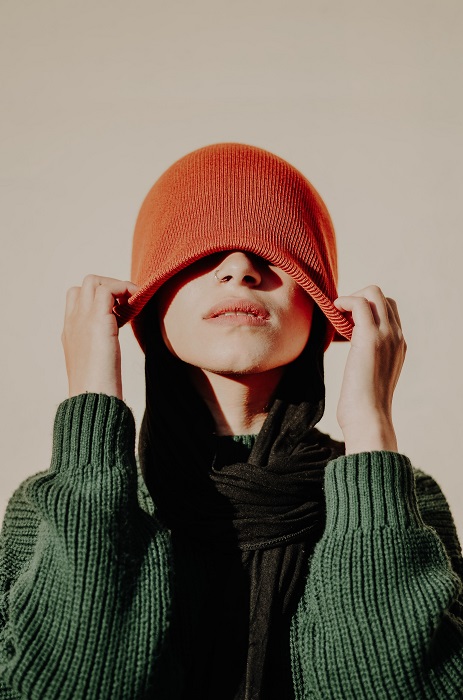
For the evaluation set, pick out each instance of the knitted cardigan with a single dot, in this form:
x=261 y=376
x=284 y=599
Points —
x=85 y=578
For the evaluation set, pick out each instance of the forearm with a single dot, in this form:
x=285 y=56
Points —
x=93 y=596
x=374 y=621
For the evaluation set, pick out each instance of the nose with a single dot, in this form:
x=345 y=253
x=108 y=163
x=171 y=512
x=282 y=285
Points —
x=239 y=267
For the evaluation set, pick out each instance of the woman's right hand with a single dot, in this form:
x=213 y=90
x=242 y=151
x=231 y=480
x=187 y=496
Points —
x=90 y=335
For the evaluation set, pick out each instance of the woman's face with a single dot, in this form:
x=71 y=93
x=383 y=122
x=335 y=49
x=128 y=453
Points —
x=234 y=313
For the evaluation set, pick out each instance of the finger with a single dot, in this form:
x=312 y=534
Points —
x=106 y=299
x=394 y=312
x=361 y=310
x=112 y=288
x=377 y=301
x=72 y=298
x=375 y=296
x=396 y=324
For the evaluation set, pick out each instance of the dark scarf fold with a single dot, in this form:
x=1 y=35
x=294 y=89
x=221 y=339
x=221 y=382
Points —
x=244 y=530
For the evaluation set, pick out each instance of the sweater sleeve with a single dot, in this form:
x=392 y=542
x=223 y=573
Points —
x=84 y=571
x=381 y=616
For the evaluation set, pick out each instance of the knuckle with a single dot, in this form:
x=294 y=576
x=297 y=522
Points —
x=385 y=337
x=90 y=279
x=374 y=288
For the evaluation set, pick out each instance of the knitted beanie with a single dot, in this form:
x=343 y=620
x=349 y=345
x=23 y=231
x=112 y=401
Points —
x=229 y=197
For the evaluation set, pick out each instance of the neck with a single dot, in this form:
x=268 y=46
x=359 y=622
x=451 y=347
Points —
x=238 y=403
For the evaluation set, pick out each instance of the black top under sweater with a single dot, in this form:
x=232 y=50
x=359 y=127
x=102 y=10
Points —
x=220 y=659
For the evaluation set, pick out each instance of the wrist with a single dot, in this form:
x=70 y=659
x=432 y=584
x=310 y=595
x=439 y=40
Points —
x=108 y=388
x=370 y=436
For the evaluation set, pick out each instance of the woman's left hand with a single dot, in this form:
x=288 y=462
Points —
x=372 y=370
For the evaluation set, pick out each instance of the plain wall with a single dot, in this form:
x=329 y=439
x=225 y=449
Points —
x=364 y=97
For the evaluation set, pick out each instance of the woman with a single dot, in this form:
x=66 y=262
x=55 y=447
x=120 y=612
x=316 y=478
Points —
x=256 y=557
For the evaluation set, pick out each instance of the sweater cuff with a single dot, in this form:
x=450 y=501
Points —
x=92 y=429
x=370 y=490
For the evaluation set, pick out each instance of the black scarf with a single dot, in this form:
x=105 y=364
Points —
x=242 y=532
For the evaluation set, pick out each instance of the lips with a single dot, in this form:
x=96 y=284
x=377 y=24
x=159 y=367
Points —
x=229 y=308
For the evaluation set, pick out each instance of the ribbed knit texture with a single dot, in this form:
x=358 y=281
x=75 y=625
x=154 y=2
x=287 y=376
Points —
x=377 y=617
x=84 y=572
x=85 y=578
x=234 y=197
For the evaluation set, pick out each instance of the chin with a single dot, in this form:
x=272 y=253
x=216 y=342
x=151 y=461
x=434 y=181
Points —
x=239 y=363
x=248 y=371
x=239 y=369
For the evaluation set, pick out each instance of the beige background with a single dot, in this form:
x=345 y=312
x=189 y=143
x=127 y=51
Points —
x=363 y=96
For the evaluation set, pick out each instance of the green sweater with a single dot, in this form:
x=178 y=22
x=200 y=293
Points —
x=85 y=578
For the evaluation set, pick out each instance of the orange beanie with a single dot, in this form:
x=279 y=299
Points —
x=234 y=197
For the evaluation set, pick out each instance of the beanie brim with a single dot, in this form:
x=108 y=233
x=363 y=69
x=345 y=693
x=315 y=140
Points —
x=339 y=327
